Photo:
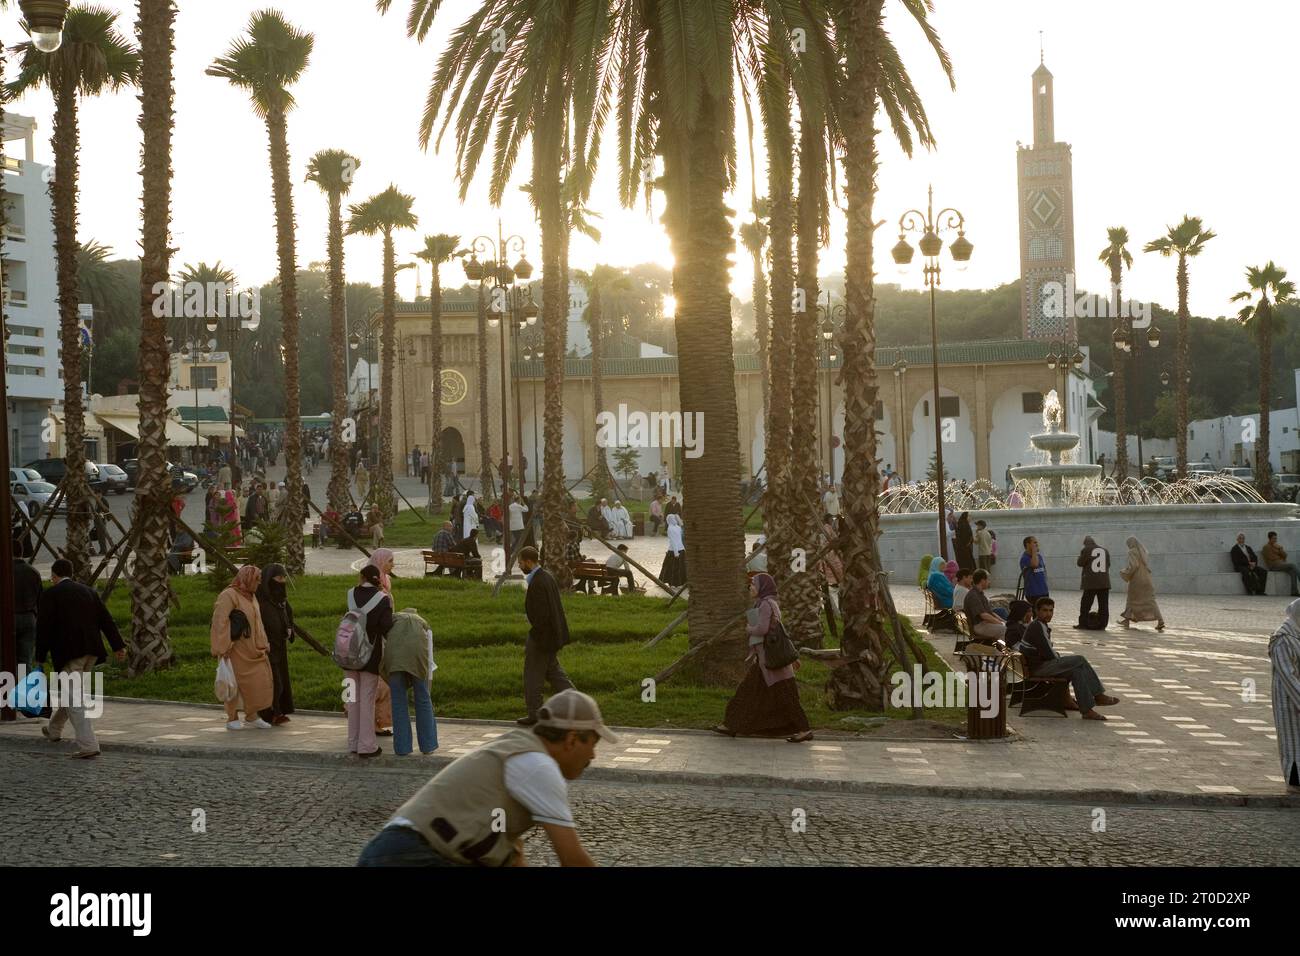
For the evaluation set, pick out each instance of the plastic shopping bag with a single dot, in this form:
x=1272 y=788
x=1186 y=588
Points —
x=32 y=693
x=225 y=686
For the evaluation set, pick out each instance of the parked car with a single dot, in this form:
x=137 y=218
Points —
x=1241 y=474
x=115 y=478
x=54 y=469
x=183 y=480
x=35 y=492
x=1286 y=487
x=24 y=474
x=1199 y=469
x=1162 y=467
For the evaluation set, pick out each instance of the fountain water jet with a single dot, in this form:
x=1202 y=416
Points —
x=1054 y=443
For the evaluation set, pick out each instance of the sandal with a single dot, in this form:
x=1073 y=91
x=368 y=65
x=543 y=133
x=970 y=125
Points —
x=1093 y=715
x=724 y=730
x=1160 y=626
x=800 y=738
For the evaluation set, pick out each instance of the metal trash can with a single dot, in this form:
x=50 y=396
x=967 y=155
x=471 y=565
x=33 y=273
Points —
x=990 y=671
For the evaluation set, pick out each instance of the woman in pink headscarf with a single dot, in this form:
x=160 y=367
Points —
x=382 y=558
x=237 y=634
x=766 y=704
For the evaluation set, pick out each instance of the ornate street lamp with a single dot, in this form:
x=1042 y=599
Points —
x=45 y=22
x=1131 y=342
x=931 y=244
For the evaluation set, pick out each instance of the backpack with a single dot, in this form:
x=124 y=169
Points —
x=352 y=645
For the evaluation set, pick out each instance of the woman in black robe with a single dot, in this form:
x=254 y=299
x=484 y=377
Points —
x=277 y=620
x=473 y=560
x=965 y=541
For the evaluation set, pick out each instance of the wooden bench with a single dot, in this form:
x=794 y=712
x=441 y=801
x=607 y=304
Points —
x=1041 y=693
x=435 y=562
x=586 y=573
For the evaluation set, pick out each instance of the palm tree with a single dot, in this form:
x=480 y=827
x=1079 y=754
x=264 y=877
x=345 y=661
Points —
x=93 y=59
x=380 y=215
x=598 y=281
x=1117 y=257
x=150 y=646
x=874 y=77
x=265 y=63
x=753 y=236
x=1185 y=240
x=1264 y=317
x=333 y=170
x=437 y=250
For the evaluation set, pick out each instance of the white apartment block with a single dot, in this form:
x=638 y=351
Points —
x=30 y=294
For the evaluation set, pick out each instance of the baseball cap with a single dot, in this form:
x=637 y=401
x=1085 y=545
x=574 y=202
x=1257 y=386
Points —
x=573 y=710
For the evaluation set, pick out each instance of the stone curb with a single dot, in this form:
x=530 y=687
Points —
x=1146 y=798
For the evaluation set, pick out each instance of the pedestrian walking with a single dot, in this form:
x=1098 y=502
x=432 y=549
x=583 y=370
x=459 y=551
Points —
x=964 y=541
x=1141 y=604
x=383 y=559
x=673 y=571
x=277 y=621
x=27 y=599
x=237 y=635
x=1284 y=652
x=71 y=621
x=376 y=608
x=767 y=701
x=476 y=811
x=408 y=664
x=548 y=632
x=1095 y=582
x=983 y=546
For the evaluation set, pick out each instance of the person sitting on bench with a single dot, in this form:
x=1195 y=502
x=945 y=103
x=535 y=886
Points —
x=615 y=565
x=1043 y=661
x=962 y=587
x=473 y=560
x=940 y=589
x=979 y=613
x=1018 y=617
x=1245 y=563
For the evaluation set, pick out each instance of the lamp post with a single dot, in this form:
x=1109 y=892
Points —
x=832 y=313
x=900 y=372
x=930 y=225
x=193 y=351
x=232 y=325
x=1131 y=341
x=45 y=19
x=531 y=353
x=504 y=296
x=354 y=342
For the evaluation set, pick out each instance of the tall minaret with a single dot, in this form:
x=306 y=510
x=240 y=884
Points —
x=1046 y=200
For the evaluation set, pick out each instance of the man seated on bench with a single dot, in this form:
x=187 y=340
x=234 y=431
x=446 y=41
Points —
x=182 y=552
x=444 y=541
x=979 y=612
x=1043 y=661
x=616 y=566
x=961 y=588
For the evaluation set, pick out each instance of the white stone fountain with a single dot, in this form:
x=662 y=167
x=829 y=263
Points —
x=1054 y=443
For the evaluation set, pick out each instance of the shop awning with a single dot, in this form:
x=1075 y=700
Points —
x=217 y=430
x=178 y=436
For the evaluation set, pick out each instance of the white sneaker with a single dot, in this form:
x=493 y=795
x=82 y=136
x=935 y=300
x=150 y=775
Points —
x=260 y=724
x=235 y=725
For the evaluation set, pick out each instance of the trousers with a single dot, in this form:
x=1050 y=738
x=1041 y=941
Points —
x=1084 y=680
x=540 y=668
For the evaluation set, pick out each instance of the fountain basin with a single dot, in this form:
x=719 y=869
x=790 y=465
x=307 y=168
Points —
x=1068 y=472
x=1054 y=441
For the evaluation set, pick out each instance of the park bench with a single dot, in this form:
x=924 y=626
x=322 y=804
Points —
x=1040 y=693
x=586 y=573
x=936 y=618
x=435 y=562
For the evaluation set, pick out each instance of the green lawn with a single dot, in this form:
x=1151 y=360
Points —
x=478 y=646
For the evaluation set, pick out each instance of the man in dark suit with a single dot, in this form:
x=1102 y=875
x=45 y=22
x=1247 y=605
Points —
x=1043 y=661
x=548 y=631
x=69 y=621
x=1244 y=562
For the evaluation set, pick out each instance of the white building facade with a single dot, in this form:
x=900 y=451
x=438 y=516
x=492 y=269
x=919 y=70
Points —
x=30 y=295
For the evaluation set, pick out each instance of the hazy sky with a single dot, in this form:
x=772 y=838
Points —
x=1172 y=107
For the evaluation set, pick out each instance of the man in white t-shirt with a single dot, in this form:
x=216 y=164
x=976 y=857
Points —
x=517 y=511
x=615 y=564
x=831 y=502
x=477 y=809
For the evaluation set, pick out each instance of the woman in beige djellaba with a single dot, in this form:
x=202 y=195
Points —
x=1141 y=605
x=238 y=635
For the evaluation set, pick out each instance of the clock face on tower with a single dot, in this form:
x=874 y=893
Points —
x=454 y=387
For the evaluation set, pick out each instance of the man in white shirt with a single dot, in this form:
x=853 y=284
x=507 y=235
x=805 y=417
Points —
x=831 y=502
x=615 y=564
x=477 y=809
x=469 y=520
x=961 y=588
x=517 y=511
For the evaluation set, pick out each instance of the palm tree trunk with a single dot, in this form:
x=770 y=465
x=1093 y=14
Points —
x=1119 y=378
x=436 y=464
x=1184 y=350
x=601 y=483
x=282 y=193
x=484 y=414
x=762 y=331
x=695 y=180
x=64 y=192
x=337 y=495
x=862 y=600
x=1263 y=468
x=802 y=603
x=150 y=648
x=778 y=501
x=383 y=481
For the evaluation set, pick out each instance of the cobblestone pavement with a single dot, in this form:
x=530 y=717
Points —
x=141 y=810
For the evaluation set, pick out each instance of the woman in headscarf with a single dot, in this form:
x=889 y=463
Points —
x=767 y=701
x=939 y=584
x=623 y=520
x=950 y=571
x=277 y=621
x=1018 y=617
x=237 y=634
x=382 y=560
x=965 y=542
x=923 y=571
x=1284 y=652
x=223 y=515
x=674 y=569
x=1141 y=604
x=365 y=680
